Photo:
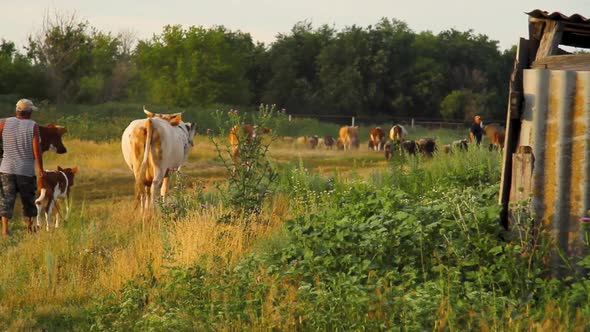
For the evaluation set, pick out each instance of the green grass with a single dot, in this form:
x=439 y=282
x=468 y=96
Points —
x=348 y=240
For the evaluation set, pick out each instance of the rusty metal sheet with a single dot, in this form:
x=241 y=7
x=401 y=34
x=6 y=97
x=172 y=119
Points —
x=557 y=16
x=556 y=126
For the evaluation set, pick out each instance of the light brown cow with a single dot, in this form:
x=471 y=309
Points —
x=377 y=138
x=243 y=134
x=55 y=185
x=497 y=134
x=348 y=135
x=152 y=148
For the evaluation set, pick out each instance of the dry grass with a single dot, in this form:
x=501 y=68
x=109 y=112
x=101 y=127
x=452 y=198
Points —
x=105 y=243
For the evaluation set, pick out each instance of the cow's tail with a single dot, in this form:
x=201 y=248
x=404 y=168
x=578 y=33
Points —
x=140 y=179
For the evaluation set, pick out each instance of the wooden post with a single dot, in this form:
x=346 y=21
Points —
x=289 y=117
x=550 y=40
x=352 y=121
x=412 y=123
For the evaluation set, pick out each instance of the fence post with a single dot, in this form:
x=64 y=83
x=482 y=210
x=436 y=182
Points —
x=352 y=121
x=412 y=123
x=289 y=117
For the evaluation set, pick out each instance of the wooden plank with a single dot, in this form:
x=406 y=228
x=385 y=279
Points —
x=522 y=176
x=512 y=125
x=564 y=62
x=552 y=33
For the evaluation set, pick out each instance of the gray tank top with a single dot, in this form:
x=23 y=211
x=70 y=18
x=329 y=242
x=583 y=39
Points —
x=17 y=138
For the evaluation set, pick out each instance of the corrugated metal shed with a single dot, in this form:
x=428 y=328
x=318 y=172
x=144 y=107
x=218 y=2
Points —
x=555 y=123
x=547 y=148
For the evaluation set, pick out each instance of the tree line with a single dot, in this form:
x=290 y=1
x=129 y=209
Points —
x=382 y=70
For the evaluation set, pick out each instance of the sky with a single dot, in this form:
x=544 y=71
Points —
x=501 y=20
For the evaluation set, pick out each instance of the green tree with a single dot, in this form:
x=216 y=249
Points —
x=463 y=105
x=196 y=65
x=294 y=82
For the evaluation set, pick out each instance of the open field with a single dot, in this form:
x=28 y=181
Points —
x=347 y=241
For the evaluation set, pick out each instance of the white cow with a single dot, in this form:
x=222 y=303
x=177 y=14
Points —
x=398 y=133
x=153 y=147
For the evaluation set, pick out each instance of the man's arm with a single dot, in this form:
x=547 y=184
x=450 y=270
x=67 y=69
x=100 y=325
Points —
x=37 y=151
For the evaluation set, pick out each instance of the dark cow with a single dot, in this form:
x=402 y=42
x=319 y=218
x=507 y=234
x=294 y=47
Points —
x=461 y=144
x=329 y=142
x=312 y=142
x=389 y=148
x=51 y=138
x=408 y=147
x=426 y=146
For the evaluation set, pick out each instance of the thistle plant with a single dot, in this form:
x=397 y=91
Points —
x=250 y=173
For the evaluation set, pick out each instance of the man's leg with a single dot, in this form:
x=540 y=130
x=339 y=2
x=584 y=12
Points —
x=27 y=187
x=7 y=198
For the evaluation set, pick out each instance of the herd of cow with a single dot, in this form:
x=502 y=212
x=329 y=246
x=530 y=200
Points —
x=348 y=138
x=155 y=145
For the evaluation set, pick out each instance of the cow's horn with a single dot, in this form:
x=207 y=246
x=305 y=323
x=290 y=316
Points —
x=148 y=113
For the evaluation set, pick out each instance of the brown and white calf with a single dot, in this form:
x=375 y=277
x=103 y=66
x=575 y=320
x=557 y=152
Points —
x=55 y=186
x=377 y=138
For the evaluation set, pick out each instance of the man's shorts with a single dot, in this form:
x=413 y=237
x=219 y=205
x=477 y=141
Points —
x=12 y=184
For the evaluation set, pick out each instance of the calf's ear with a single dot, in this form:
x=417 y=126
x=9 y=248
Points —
x=59 y=168
x=75 y=169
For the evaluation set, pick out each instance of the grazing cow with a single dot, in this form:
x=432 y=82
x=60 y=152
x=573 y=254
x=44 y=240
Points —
x=496 y=134
x=397 y=133
x=409 y=147
x=377 y=138
x=51 y=138
x=349 y=136
x=447 y=148
x=249 y=133
x=426 y=146
x=54 y=186
x=389 y=148
x=312 y=142
x=339 y=144
x=329 y=142
x=301 y=141
x=461 y=144
x=152 y=148
x=321 y=142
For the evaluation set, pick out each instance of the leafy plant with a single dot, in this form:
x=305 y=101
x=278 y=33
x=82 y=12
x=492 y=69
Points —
x=249 y=171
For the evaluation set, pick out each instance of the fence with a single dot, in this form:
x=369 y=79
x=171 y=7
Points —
x=406 y=121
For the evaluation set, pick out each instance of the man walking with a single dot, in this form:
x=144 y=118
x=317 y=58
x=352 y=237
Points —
x=22 y=152
x=476 y=131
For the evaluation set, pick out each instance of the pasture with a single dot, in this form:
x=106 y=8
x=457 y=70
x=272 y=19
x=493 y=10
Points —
x=346 y=241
